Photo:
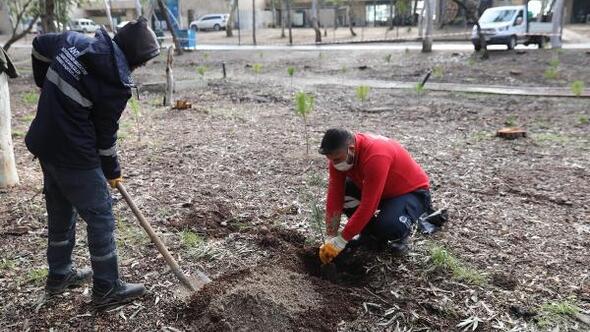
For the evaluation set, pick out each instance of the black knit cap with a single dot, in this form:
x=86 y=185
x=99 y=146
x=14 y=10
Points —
x=334 y=139
x=138 y=42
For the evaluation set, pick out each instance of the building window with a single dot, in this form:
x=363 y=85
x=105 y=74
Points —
x=378 y=13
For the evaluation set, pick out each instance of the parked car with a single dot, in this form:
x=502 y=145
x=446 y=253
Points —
x=83 y=25
x=508 y=25
x=210 y=21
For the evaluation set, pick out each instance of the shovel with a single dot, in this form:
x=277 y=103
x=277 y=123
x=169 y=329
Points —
x=192 y=284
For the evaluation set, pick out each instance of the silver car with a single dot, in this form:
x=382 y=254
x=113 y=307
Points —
x=210 y=21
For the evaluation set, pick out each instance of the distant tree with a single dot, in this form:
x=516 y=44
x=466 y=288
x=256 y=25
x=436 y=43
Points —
x=557 y=21
x=427 y=39
x=254 y=22
x=19 y=11
x=315 y=21
x=164 y=10
x=350 y=18
x=233 y=5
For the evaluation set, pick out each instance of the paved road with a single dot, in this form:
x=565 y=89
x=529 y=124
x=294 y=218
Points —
x=437 y=46
x=441 y=46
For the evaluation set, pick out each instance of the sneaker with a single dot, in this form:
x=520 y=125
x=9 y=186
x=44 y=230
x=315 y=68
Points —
x=120 y=293
x=399 y=247
x=57 y=284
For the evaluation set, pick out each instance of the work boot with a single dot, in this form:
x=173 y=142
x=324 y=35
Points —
x=119 y=293
x=400 y=247
x=57 y=284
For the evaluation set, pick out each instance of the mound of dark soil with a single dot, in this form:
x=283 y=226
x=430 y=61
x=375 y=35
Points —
x=214 y=220
x=289 y=291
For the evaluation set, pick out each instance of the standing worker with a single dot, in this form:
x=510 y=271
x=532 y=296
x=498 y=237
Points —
x=85 y=85
x=377 y=184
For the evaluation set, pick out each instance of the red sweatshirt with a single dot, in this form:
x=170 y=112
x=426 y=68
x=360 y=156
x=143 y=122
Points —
x=383 y=169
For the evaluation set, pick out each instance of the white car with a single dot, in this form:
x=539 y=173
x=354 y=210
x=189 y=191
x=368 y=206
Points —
x=122 y=24
x=210 y=21
x=84 y=25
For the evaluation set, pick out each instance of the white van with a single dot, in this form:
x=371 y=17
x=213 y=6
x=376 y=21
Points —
x=84 y=25
x=510 y=26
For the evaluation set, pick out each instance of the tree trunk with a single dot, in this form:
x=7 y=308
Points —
x=283 y=17
x=289 y=23
x=391 y=5
x=273 y=9
x=350 y=16
x=427 y=40
x=110 y=18
x=229 y=28
x=164 y=11
x=169 y=78
x=137 y=9
x=421 y=23
x=414 y=12
x=254 y=22
x=48 y=19
x=374 y=13
x=315 y=22
x=8 y=174
x=557 y=20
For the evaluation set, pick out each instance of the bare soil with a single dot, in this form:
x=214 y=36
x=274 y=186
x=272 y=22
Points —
x=234 y=170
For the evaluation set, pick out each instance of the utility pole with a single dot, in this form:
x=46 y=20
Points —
x=254 y=22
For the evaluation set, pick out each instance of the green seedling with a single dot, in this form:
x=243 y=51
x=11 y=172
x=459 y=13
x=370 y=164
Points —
x=577 y=88
x=582 y=119
x=191 y=239
x=37 y=276
x=419 y=88
x=202 y=70
x=442 y=259
x=551 y=73
x=362 y=93
x=510 y=121
x=553 y=314
x=438 y=72
x=304 y=105
x=291 y=72
x=136 y=113
x=388 y=58
x=256 y=68
x=30 y=98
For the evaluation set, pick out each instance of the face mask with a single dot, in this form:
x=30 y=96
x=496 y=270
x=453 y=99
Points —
x=344 y=166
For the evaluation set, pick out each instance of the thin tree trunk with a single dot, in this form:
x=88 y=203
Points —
x=169 y=77
x=110 y=18
x=49 y=17
x=274 y=13
x=8 y=174
x=164 y=11
x=421 y=22
x=289 y=23
x=427 y=40
x=374 y=13
x=557 y=21
x=391 y=5
x=254 y=22
x=16 y=36
x=315 y=22
x=283 y=17
x=229 y=28
x=350 y=16
x=415 y=19
x=137 y=9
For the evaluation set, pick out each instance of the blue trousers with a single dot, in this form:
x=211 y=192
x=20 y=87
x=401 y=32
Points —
x=396 y=215
x=69 y=192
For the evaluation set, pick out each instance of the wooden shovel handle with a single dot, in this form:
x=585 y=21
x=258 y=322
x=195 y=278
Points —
x=155 y=239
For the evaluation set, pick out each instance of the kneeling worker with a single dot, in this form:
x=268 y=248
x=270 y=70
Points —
x=377 y=184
